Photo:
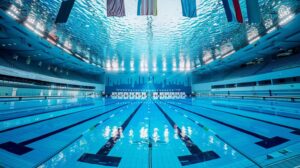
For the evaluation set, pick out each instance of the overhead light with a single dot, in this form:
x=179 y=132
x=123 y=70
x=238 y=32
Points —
x=77 y=55
x=30 y=27
x=285 y=15
x=271 y=30
x=132 y=64
x=85 y=60
x=13 y=11
x=254 y=40
x=286 y=19
x=51 y=41
x=253 y=35
x=209 y=61
x=66 y=50
x=229 y=53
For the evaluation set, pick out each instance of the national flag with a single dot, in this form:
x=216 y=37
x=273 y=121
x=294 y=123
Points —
x=253 y=11
x=147 y=7
x=233 y=10
x=115 y=8
x=189 y=8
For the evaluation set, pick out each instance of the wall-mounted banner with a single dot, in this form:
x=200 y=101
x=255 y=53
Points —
x=148 y=83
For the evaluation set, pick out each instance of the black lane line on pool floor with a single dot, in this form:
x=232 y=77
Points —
x=41 y=111
x=43 y=105
x=73 y=141
x=21 y=109
x=222 y=139
x=21 y=148
x=265 y=141
x=39 y=121
x=295 y=131
x=101 y=157
x=254 y=111
x=45 y=112
x=197 y=156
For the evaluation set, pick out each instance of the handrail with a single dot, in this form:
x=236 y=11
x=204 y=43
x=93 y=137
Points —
x=35 y=97
x=291 y=97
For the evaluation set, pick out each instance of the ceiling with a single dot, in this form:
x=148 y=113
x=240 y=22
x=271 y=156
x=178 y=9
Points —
x=166 y=42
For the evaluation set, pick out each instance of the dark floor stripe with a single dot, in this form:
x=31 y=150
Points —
x=20 y=148
x=265 y=143
x=105 y=149
x=254 y=111
x=226 y=142
x=71 y=142
x=32 y=113
x=32 y=123
x=222 y=139
x=101 y=157
x=21 y=109
x=295 y=131
x=46 y=111
x=197 y=156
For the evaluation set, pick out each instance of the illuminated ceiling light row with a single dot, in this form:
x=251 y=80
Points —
x=14 y=12
x=285 y=15
x=113 y=66
x=228 y=54
x=253 y=35
x=39 y=29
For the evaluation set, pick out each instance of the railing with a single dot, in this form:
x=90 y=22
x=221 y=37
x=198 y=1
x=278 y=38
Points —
x=290 y=97
x=12 y=98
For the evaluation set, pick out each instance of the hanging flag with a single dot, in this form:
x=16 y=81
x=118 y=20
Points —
x=115 y=8
x=233 y=10
x=189 y=8
x=147 y=7
x=253 y=11
x=64 y=11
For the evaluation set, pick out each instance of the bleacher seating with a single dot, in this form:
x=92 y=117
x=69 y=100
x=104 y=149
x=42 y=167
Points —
x=269 y=66
x=33 y=67
x=275 y=78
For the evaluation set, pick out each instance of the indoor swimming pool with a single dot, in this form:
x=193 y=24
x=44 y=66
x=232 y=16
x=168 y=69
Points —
x=192 y=132
x=149 y=84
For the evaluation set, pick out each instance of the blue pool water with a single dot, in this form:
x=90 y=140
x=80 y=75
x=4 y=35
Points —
x=202 y=132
